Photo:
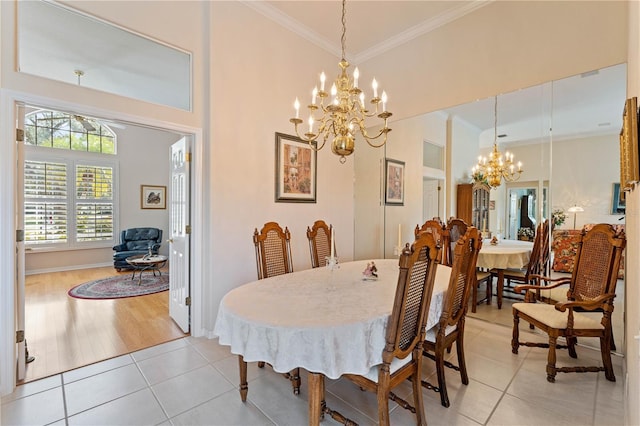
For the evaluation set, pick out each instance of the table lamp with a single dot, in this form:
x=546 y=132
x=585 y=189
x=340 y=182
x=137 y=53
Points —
x=574 y=210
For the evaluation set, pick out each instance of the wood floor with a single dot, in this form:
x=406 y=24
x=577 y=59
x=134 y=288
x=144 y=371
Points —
x=64 y=333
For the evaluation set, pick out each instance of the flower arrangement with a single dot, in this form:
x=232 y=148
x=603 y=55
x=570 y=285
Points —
x=479 y=178
x=525 y=234
x=558 y=217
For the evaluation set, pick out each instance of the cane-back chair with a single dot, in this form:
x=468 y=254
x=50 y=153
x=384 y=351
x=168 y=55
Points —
x=538 y=261
x=402 y=354
x=592 y=287
x=273 y=250
x=435 y=227
x=454 y=230
x=450 y=328
x=273 y=257
x=319 y=236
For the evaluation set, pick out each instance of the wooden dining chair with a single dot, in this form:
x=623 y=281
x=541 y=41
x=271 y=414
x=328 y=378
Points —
x=592 y=287
x=319 y=236
x=538 y=262
x=450 y=328
x=435 y=227
x=402 y=355
x=273 y=250
x=273 y=258
x=551 y=294
x=455 y=229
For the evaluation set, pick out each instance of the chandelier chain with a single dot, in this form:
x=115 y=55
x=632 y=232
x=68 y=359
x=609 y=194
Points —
x=343 y=39
x=495 y=119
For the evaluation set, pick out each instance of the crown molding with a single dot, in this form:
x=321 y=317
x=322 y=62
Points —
x=420 y=29
x=293 y=25
x=307 y=33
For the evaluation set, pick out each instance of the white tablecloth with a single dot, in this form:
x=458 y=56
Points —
x=329 y=322
x=506 y=254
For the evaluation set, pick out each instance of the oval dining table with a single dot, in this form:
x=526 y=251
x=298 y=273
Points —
x=507 y=254
x=328 y=321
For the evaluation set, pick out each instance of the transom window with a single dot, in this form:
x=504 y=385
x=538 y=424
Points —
x=61 y=130
x=68 y=198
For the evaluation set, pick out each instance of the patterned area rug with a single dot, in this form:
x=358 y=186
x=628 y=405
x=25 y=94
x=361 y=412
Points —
x=120 y=286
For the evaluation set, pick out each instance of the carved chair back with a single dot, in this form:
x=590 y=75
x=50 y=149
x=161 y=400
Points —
x=273 y=250
x=319 y=236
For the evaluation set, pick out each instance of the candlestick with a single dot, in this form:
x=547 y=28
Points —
x=333 y=250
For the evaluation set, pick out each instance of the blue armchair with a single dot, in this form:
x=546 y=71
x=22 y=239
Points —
x=135 y=241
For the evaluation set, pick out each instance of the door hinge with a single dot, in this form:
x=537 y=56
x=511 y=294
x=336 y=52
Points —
x=187 y=301
x=19 y=336
x=187 y=229
x=187 y=157
x=19 y=135
x=19 y=235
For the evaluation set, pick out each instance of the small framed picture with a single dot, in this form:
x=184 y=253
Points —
x=153 y=197
x=295 y=170
x=394 y=182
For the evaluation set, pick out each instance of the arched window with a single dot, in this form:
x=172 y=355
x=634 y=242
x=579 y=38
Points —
x=61 y=130
x=69 y=197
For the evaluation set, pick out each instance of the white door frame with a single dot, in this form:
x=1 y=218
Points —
x=8 y=99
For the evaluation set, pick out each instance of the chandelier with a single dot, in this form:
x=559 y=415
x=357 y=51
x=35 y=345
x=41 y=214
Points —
x=496 y=168
x=345 y=113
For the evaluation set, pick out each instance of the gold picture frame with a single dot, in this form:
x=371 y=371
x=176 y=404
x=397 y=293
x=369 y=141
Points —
x=153 y=197
x=629 y=161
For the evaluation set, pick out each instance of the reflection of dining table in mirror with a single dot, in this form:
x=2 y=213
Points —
x=507 y=254
x=331 y=322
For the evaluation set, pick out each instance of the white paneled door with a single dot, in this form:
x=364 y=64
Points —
x=430 y=198
x=180 y=230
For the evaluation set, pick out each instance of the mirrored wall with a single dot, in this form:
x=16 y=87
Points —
x=565 y=133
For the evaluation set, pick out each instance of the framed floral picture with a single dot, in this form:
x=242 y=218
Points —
x=394 y=182
x=153 y=197
x=295 y=170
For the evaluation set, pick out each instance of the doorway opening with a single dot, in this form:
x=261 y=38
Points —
x=87 y=334
x=525 y=209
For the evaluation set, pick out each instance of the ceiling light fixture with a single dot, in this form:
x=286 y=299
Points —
x=78 y=73
x=495 y=168
x=345 y=113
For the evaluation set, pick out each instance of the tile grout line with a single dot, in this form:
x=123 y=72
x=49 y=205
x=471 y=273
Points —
x=64 y=400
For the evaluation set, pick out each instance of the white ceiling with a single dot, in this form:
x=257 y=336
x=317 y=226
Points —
x=373 y=27
x=581 y=105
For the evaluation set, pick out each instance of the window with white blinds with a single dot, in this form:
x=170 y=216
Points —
x=45 y=199
x=94 y=203
x=66 y=208
x=70 y=178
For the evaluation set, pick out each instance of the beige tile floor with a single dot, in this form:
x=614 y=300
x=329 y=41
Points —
x=193 y=381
